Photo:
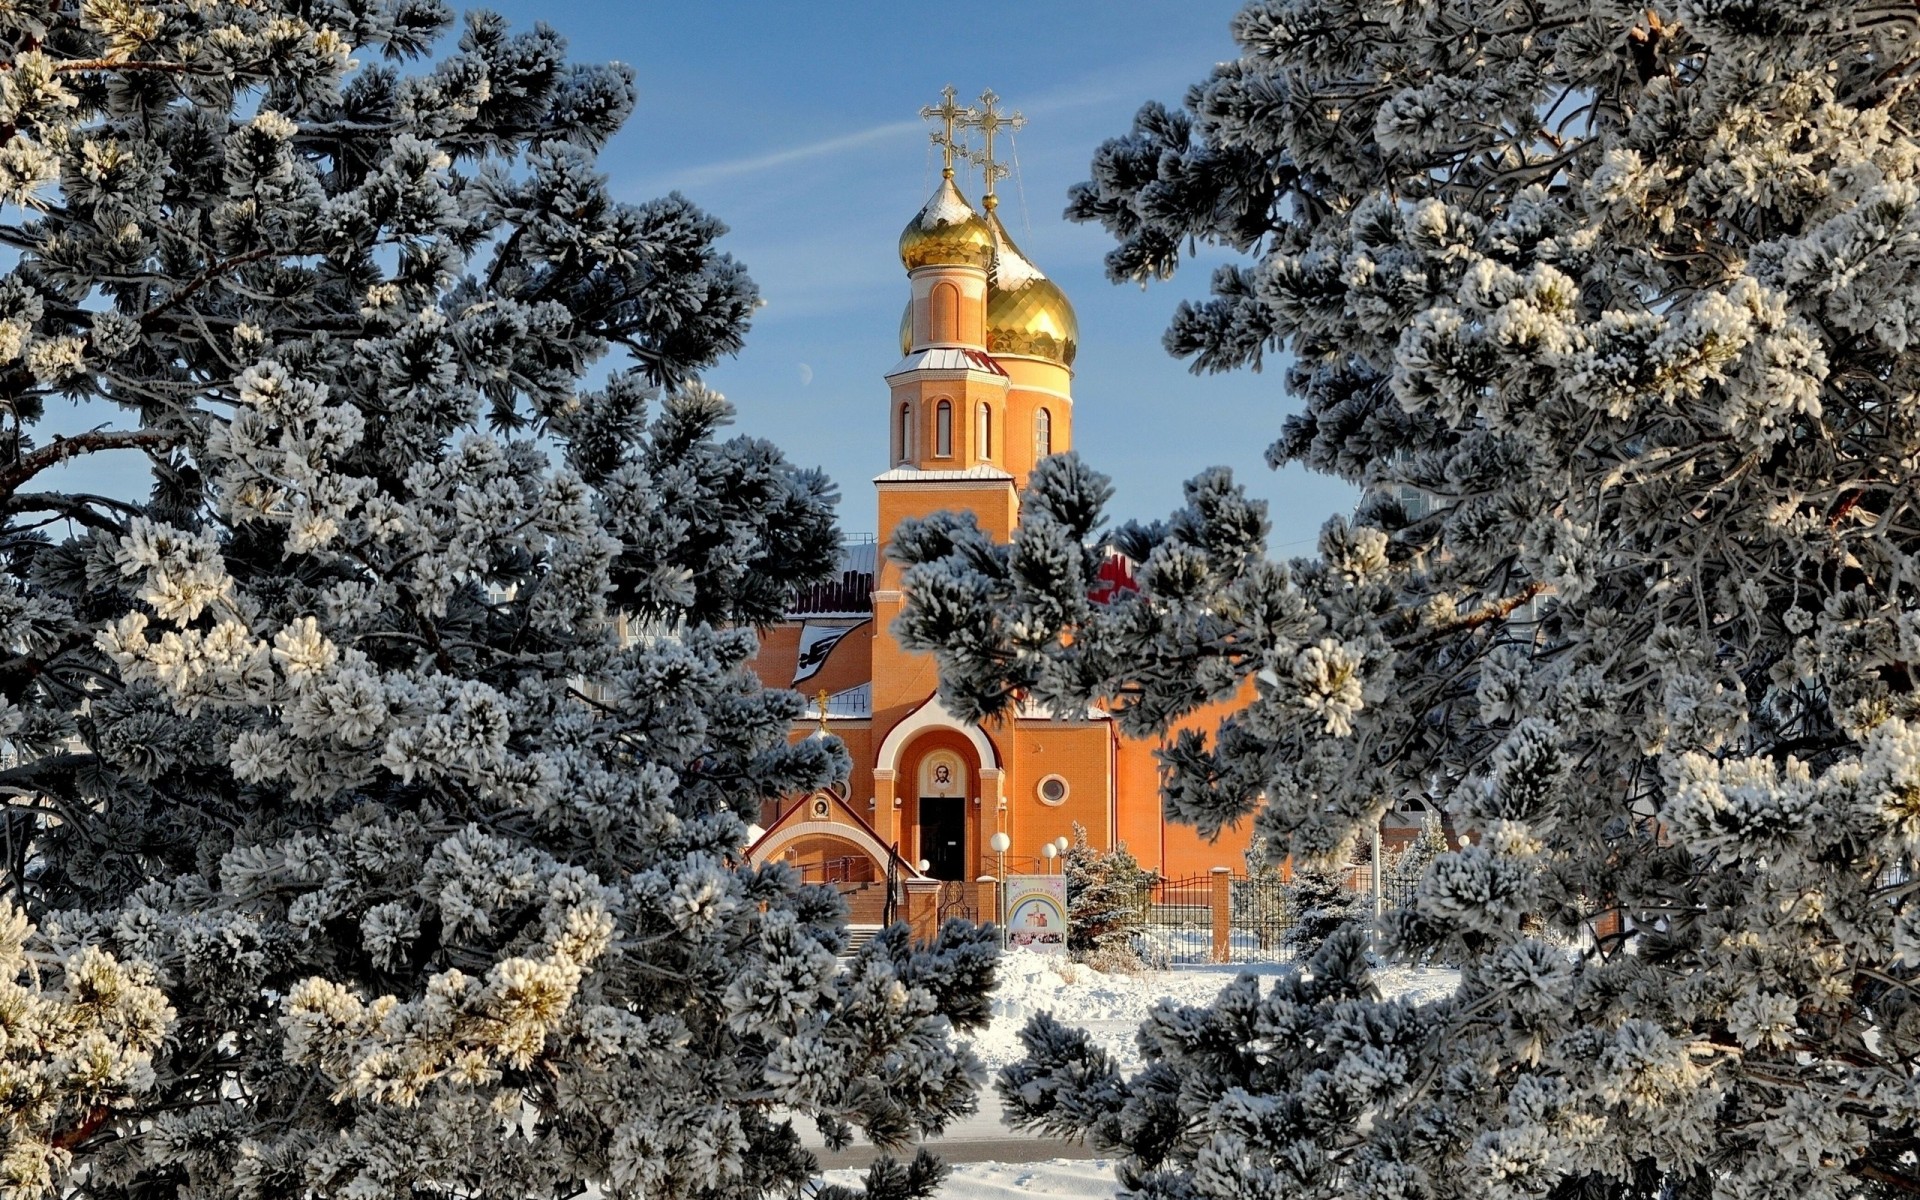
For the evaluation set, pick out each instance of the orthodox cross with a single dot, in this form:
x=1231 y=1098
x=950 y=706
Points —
x=948 y=114
x=989 y=119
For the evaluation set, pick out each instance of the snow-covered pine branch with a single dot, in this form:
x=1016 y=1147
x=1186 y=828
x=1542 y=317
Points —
x=364 y=855
x=1612 y=312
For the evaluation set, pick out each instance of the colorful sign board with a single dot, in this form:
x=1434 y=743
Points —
x=1037 y=913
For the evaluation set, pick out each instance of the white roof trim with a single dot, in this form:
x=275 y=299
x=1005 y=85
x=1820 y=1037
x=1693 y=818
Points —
x=916 y=475
x=762 y=851
x=932 y=715
x=949 y=358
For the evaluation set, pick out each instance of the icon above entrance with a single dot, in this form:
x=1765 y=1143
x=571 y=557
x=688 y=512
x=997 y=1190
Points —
x=943 y=814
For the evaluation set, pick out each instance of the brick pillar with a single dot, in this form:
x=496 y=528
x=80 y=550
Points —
x=986 y=900
x=993 y=808
x=886 y=818
x=921 y=911
x=1222 y=914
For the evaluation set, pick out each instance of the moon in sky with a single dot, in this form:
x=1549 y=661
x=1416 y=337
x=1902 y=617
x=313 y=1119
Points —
x=806 y=374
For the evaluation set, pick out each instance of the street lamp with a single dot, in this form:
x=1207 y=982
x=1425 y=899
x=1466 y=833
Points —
x=1061 y=843
x=1049 y=852
x=1000 y=842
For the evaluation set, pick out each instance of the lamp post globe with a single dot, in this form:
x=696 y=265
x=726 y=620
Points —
x=1000 y=841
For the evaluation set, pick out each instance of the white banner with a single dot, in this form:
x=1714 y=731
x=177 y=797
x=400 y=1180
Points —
x=816 y=642
x=1037 y=913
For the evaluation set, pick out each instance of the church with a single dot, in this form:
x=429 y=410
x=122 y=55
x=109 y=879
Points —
x=983 y=390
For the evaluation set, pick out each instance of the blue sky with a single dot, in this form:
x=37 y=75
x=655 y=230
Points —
x=796 y=124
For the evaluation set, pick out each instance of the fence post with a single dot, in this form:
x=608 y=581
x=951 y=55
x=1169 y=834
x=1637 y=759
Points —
x=986 y=902
x=922 y=908
x=1379 y=894
x=1222 y=914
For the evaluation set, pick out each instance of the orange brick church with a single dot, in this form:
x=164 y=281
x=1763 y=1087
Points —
x=983 y=390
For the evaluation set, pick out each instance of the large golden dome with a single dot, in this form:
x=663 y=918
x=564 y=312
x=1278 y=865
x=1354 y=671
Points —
x=1027 y=313
x=946 y=232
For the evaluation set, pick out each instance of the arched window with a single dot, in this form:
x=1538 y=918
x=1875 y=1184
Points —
x=983 y=431
x=1042 y=434
x=906 y=434
x=944 y=313
x=943 y=430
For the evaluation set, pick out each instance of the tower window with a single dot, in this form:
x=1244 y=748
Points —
x=1042 y=434
x=983 y=431
x=943 y=430
x=944 y=313
x=905 y=453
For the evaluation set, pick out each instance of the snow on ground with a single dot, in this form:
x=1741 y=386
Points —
x=1111 y=1006
x=1062 y=1178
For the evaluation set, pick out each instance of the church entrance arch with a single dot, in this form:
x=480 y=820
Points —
x=943 y=819
x=914 y=744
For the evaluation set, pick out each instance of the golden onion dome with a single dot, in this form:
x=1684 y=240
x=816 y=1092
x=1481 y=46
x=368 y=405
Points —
x=906 y=329
x=946 y=232
x=1027 y=313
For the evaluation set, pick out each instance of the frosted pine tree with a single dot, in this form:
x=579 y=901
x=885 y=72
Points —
x=377 y=779
x=1316 y=903
x=1627 y=301
x=1407 y=866
x=1108 y=895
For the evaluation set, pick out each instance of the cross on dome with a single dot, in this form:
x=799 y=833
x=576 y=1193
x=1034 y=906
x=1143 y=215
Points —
x=989 y=119
x=949 y=115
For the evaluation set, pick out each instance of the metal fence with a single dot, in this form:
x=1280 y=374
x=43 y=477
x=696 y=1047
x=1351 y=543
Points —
x=852 y=868
x=1178 y=924
x=959 y=900
x=1229 y=918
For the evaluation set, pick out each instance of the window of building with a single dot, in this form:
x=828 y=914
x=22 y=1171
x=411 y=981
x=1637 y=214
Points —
x=1042 y=434
x=983 y=431
x=943 y=430
x=1053 y=790
x=904 y=451
x=944 y=313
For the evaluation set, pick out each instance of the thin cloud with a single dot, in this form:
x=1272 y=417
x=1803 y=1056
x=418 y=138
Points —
x=1091 y=91
x=711 y=173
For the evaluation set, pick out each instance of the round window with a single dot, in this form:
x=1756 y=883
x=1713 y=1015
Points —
x=1053 y=790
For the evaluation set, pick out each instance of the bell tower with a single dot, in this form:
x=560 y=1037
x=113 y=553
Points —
x=947 y=397
x=983 y=389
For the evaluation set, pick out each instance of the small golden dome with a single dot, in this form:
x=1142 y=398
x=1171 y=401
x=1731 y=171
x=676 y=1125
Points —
x=1027 y=313
x=946 y=232
x=906 y=329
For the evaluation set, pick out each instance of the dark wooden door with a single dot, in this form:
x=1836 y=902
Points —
x=943 y=836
